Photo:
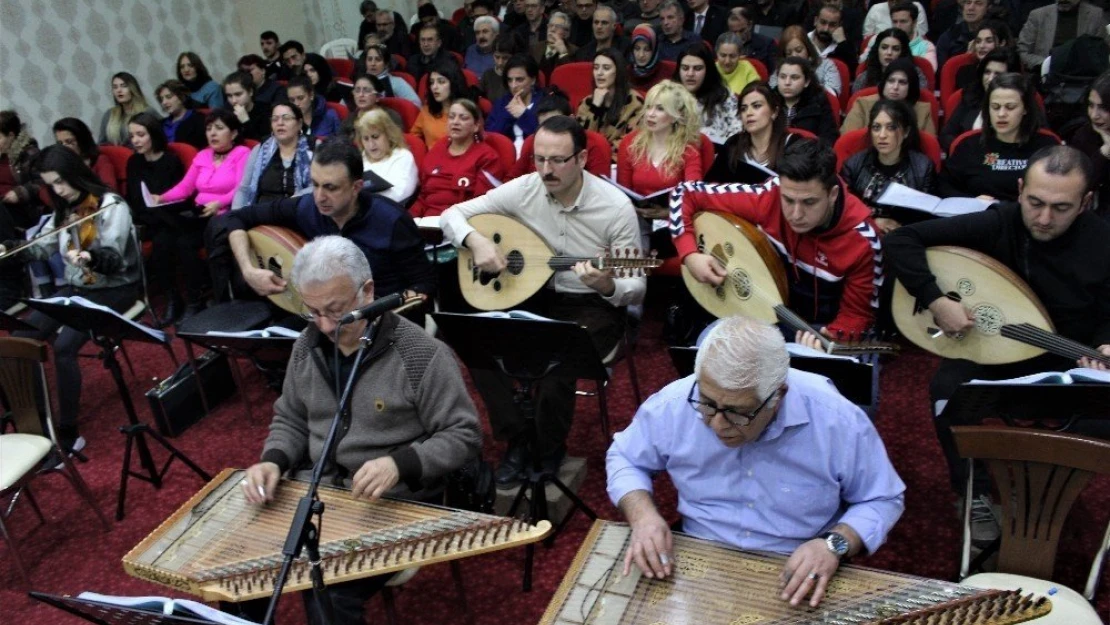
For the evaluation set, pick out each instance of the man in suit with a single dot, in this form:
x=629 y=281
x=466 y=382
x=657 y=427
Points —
x=556 y=49
x=673 y=38
x=582 y=21
x=741 y=20
x=1050 y=26
x=706 y=20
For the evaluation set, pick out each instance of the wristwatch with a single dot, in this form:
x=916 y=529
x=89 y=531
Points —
x=836 y=543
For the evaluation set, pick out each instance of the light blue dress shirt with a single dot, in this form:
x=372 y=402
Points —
x=818 y=463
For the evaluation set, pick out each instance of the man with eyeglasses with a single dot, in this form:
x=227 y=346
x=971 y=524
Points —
x=410 y=422
x=577 y=214
x=763 y=457
x=394 y=39
x=338 y=204
x=582 y=21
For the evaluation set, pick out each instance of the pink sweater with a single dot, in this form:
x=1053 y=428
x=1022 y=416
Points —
x=211 y=182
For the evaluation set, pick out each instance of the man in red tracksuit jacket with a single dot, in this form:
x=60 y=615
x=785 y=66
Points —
x=824 y=235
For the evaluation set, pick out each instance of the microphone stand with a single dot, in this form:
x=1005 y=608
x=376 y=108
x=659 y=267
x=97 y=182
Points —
x=302 y=532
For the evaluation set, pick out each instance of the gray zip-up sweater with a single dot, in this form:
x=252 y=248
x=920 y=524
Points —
x=409 y=403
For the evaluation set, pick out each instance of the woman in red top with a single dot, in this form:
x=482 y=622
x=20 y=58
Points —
x=75 y=135
x=454 y=169
x=663 y=152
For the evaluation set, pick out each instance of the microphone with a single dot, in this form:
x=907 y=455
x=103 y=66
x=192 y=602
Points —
x=374 y=309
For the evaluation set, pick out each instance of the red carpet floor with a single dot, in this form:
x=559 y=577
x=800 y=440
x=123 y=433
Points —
x=70 y=553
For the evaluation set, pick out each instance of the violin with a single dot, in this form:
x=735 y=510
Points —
x=86 y=231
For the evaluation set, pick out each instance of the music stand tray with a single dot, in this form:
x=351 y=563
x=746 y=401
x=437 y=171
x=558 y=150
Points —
x=527 y=350
x=254 y=348
x=111 y=614
x=11 y=323
x=1028 y=401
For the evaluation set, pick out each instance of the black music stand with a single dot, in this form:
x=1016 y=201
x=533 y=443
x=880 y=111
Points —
x=11 y=323
x=253 y=348
x=852 y=379
x=527 y=350
x=108 y=331
x=111 y=614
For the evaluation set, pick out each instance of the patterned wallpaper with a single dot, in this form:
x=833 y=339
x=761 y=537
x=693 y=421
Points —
x=57 y=57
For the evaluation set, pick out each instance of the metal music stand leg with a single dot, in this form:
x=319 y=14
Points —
x=136 y=433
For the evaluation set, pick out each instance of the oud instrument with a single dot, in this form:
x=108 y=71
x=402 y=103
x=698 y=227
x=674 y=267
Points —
x=273 y=248
x=530 y=264
x=713 y=584
x=220 y=547
x=755 y=285
x=1011 y=324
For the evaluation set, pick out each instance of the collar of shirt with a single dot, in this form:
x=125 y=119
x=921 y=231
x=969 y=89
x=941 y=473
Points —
x=788 y=413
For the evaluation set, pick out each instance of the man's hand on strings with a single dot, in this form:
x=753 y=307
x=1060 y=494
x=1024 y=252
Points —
x=261 y=482
x=705 y=269
x=596 y=279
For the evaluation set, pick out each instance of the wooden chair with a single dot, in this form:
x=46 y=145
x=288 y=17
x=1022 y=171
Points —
x=1039 y=475
x=22 y=372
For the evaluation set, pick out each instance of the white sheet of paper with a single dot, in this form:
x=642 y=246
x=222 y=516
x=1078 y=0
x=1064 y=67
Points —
x=148 y=197
x=900 y=195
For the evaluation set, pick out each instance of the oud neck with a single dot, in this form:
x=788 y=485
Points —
x=1051 y=342
x=566 y=263
x=794 y=322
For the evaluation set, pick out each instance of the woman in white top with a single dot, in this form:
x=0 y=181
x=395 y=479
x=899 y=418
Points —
x=718 y=106
x=386 y=153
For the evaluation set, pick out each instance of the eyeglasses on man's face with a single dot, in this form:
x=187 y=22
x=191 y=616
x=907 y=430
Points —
x=554 y=161
x=709 y=409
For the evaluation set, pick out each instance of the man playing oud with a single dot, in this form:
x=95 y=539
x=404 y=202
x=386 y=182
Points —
x=577 y=214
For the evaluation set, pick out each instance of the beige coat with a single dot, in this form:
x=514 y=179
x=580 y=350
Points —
x=860 y=113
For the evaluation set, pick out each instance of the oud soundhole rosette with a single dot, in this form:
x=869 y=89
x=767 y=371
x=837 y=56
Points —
x=988 y=319
x=741 y=283
x=514 y=262
x=965 y=287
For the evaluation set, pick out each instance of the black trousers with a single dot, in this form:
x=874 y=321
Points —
x=68 y=342
x=348 y=601
x=176 y=241
x=554 y=398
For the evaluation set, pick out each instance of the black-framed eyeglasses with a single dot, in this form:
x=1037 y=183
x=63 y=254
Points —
x=708 y=410
x=556 y=161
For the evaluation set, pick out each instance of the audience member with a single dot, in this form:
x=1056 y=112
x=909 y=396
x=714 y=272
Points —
x=455 y=168
x=718 y=107
x=967 y=115
x=805 y=104
x=673 y=40
x=705 y=20
x=292 y=55
x=267 y=91
x=900 y=84
x=278 y=167
x=216 y=171
x=956 y=39
x=475 y=9
x=323 y=83
x=741 y=21
x=534 y=27
x=1092 y=138
x=364 y=98
x=181 y=124
x=612 y=108
x=600 y=154
x=129 y=101
x=479 y=55
x=582 y=22
x=555 y=49
x=737 y=72
x=513 y=114
x=448 y=34
x=386 y=153
x=760 y=143
x=270 y=44
x=990 y=161
x=605 y=22
x=829 y=36
x=894 y=155
x=647 y=12
x=890 y=44
x=904 y=17
x=505 y=46
x=396 y=40
x=375 y=62
x=75 y=135
x=445 y=85
x=159 y=169
x=255 y=117
x=431 y=54
x=368 y=9
x=19 y=192
x=794 y=42
x=644 y=57
x=319 y=120
x=1052 y=25
x=194 y=75
x=879 y=18
x=992 y=35
x=775 y=13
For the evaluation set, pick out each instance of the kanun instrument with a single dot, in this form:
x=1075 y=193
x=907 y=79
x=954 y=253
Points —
x=222 y=548
x=1002 y=303
x=714 y=584
x=273 y=248
x=530 y=264
x=755 y=285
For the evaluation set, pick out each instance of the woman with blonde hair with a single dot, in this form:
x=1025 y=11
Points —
x=129 y=102
x=386 y=153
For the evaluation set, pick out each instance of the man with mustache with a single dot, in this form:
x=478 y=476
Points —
x=479 y=55
x=577 y=214
x=1052 y=25
x=830 y=38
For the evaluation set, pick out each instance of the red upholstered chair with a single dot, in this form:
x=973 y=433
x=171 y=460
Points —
x=850 y=143
x=339 y=109
x=458 y=16
x=666 y=68
x=948 y=73
x=458 y=57
x=185 y=152
x=418 y=148
x=250 y=143
x=802 y=133
x=118 y=155
x=845 y=82
x=926 y=96
x=472 y=79
x=760 y=68
x=708 y=153
x=342 y=68
x=407 y=77
x=952 y=101
x=863 y=44
x=504 y=146
x=575 y=79
x=407 y=110
x=399 y=63
x=930 y=147
x=485 y=105
x=930 y=72
x=834 y=105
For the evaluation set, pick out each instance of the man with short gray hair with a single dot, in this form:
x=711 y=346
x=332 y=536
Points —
x=556 y=48
x=763 y=457
x=673 y=39
x=479 y=55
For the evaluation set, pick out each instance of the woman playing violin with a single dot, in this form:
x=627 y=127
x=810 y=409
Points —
x=101 y=265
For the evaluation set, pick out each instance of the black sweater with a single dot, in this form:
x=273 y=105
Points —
x=160 y=176
x=979 y=166
x=1070 y=274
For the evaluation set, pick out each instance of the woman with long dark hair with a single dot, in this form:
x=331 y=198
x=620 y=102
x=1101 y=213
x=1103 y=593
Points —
x=966 y=115
x=898 y=84
x=760 y=143
x=890 y=44
x=319 y=72
x=128 y=101
x=254 y=116
x=805 y=104
x=194 y=75
x=612 y=109
x=1093 y=138
x=893 y=156
x=101 y=265
x=75 y=135
x=717 y=105
x=446 y=84
x=794 y=42
x=989 y=162
x=992 y=35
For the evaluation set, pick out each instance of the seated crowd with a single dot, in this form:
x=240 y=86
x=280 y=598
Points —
x=451 y=118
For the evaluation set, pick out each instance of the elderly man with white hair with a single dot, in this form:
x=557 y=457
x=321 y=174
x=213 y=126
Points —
x=763 y=457
x=479 y=55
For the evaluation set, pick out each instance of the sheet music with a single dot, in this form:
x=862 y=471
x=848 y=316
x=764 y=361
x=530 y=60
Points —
x=428 y=223
x=492 y=179
x=1078 y=375
x=148 y=197
x=513 y=314
x=270 y=332
x=662 y=193
x=77 y=300
x=165 y=605
x=902 y=196
x=797 y=349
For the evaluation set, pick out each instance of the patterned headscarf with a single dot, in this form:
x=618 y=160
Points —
x=644 y=32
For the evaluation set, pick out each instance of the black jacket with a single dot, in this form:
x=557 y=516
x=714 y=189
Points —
x=862 y=174
x=1070 y=274
x=716 y=22
x=814 y=114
